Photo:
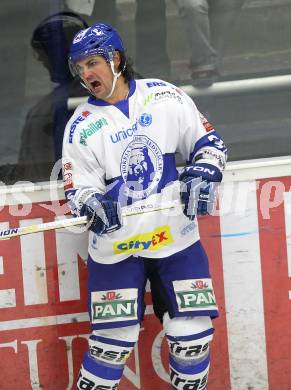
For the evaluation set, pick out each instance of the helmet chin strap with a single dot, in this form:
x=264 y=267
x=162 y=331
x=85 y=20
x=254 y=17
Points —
x=115 y=74
x=115 y=77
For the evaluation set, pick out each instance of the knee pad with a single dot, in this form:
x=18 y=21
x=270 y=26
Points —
x=188 y=337
x=103 y=364
x=113 y=346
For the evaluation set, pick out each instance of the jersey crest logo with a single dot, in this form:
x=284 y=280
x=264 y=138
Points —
x=141 y=167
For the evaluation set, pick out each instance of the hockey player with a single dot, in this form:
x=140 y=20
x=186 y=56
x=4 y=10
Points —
x=119 y=151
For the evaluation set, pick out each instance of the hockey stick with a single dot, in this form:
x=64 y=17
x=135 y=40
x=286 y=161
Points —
x=65 y=223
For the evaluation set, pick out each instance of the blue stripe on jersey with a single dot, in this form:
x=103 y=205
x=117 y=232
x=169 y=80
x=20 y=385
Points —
x=188 y=368
x=106 y=340
x=190 y=337
x=212 y=139
x=104 y=371
x=170 y=174
x=121 y=105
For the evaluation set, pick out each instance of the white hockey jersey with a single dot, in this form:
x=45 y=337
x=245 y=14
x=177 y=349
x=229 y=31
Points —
x=128 y=151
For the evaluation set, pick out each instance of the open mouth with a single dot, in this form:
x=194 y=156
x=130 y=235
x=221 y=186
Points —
x=95 y=84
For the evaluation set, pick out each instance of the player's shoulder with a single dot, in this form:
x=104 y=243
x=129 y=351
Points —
x=81 y=113
x=160 y=90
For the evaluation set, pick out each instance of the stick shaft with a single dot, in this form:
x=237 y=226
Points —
x=68 y=222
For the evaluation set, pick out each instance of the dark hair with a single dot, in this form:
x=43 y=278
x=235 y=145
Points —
x=126 y=66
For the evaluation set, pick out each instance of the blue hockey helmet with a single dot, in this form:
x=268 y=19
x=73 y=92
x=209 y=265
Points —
x=99 y=39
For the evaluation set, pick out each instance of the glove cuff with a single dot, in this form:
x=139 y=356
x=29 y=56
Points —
x=206 y=171
x=82 y=198
x=210 y=156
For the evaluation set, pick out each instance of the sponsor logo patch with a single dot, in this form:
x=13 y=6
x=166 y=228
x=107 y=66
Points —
x=139 y=208
x=113 y=306
x=104 y=353
x=207 y=125
x=145 y=119
x=92 y=129
x=156 y=84
x=188 y=229
x=124 y=133
x=8 y=231
x=79 y=119
x=194 y=295
x=154 y=240
x=68 y=176
x=158 y=97
x=193 y=381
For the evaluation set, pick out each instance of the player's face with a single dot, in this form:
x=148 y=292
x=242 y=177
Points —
x=96 y=74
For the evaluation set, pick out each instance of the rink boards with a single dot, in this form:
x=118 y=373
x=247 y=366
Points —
x=43 y=314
